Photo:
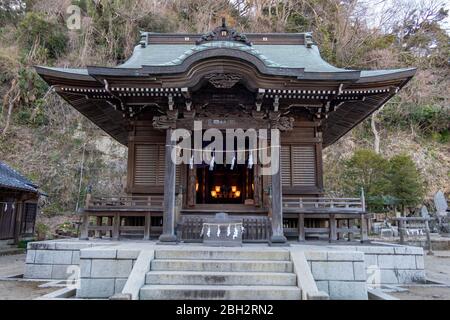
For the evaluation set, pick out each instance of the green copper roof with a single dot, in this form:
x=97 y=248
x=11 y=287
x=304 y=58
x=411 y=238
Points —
x=282 y=56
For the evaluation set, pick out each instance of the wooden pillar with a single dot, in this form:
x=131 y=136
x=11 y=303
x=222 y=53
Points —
x=301 y=227
x=401 y=231
x=364 y=229
x=333 y=227
x=191 y=184
x=257 y=185
x=116 y=227
x=277 y=209
x=98 y=232
x=19 y=208
x=110 y=223
x=427 y=231
x=147 y=226
x=168 y=234
x=350 y=226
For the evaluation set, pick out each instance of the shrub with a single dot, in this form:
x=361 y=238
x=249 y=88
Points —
x=429 y=119
x=50 y=36
x=41 y=230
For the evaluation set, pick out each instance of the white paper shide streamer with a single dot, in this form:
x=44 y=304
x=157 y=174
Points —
x=233 y=161
x=191 y=163
x=250 y=160
x=211 y=163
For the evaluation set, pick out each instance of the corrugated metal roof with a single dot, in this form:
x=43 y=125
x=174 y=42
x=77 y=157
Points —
x=12 y=179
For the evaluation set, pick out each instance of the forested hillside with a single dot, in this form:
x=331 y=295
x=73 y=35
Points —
x=50 y=142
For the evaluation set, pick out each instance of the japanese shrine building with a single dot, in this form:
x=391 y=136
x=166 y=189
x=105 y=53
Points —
x=225 y=80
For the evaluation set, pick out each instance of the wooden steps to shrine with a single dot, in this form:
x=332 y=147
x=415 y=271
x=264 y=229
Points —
x=221 y=273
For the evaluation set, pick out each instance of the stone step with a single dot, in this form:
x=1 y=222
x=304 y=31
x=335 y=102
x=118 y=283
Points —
x=219 y=292
x=221 y=278
x=221 y=265
x=223 y=254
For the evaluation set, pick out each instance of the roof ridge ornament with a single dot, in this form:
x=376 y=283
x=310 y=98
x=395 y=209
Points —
x=224 y=33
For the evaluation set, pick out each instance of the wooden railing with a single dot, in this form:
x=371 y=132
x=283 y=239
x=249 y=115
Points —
x=125 y=202
x=256 y=229
x=324 y=205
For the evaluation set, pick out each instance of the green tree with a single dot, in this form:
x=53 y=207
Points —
x=367 y=169
x=405 y=181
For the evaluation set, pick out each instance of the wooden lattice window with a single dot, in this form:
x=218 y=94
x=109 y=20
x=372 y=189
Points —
x=28 y=218
x=298 y=165
x=149 y=165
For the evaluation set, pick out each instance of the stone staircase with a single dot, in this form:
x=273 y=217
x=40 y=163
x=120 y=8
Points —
x=221 y=273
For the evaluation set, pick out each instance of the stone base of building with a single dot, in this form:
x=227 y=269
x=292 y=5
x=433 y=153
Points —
x=102 y=268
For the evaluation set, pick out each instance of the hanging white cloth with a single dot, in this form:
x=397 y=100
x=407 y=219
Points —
x=218 y=230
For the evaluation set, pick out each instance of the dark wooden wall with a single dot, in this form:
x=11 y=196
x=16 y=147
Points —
x=17 y=221
x=146 y=159
x=301 y=161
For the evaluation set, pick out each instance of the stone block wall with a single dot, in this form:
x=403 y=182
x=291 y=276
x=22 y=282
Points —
x=104 y=271
x=55 y=260
x=341 y=274
x=393 y=264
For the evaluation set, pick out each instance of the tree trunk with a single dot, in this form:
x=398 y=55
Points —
x=376 y=144
x=10 y=101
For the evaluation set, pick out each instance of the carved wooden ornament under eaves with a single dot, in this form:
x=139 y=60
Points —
x=223 y=80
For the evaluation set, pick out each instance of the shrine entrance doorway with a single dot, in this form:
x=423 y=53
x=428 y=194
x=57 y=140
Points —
x=223 y=185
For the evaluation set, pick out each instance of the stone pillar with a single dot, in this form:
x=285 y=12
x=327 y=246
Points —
x=277 y=209
x=84 y=232
x=168 y=234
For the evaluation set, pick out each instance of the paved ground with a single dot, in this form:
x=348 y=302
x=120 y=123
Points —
x=22 y=290
x=437 y=269
x=18 y=290
x=438 y=266
x=12 y=265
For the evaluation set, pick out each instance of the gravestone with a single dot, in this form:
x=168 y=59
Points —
x=424 y=212
x=440 y=203
x=222 y=231
x=386 y=233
